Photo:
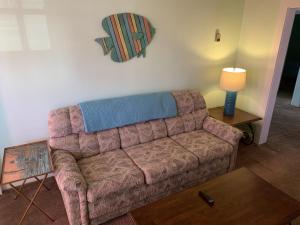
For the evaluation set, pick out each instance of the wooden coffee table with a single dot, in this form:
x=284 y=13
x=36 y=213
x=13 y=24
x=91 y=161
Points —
x=241 y=198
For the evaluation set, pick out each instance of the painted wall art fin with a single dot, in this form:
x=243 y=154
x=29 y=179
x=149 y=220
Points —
x=129 y=35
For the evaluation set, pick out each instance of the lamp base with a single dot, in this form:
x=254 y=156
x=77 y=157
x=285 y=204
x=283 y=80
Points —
x=230 y=100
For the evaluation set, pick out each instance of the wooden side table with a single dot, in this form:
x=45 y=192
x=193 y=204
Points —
x=239 y=119
x=23 y=162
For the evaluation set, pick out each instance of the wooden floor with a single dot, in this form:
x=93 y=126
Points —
x=278 y=162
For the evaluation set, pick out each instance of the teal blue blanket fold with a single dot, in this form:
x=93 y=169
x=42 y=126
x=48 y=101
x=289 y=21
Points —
x=105 y=114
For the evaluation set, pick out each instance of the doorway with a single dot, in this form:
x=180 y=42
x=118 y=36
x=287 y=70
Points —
x=290 y=72
x=285 y=124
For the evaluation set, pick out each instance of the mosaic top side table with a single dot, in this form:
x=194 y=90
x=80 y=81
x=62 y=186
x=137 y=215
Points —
x=23 y=162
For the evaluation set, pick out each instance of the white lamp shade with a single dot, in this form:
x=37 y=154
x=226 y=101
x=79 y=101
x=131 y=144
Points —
x=233 y=79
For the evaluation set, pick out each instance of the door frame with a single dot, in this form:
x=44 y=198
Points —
x=288 y=10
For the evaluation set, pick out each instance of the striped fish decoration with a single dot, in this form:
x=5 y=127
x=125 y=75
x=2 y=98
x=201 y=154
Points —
x=129 y=35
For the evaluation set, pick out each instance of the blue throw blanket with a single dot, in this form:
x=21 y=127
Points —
x=116 y=112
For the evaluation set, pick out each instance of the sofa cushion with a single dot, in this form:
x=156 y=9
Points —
x=146 y=194
x=110 y=172
x=161 y=159
x=145 y=132
x=88 y=144
x=199 y=117
x=76 y=119
x=129 y=136
x=184 y=102
x=188 y=122
x=59 y=123
x=204 y=145
x=69 y=143
x=199 y=102
x=175 y=125
x=159 y=128
x=109 y=140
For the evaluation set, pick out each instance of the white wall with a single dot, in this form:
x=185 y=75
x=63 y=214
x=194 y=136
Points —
x=263 y=44
x=256 y=53
x=48 y=58
x=256 y=50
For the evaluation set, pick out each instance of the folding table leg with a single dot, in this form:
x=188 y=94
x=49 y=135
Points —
x=48 y=189
x=20 y=189
x=32 y=202
x=23 y=183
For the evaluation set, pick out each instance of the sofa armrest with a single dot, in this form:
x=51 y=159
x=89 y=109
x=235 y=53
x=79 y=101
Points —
x=72 y=185
x=67 y=173
x=222 y=130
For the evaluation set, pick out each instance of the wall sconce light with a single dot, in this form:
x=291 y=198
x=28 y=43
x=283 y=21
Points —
x=217 y=36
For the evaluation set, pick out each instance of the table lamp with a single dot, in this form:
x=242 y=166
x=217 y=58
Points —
x=232 y=80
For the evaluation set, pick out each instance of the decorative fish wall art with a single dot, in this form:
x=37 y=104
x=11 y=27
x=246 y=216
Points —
x=129 y=35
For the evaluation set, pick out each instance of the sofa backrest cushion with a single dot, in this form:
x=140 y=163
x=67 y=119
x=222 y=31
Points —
x=59 y=123
x=188 y=101
x=186 y=123
x=66 y=127
x=189 y=122
x=76 y=119
x=109 y=140
x=145 y=132
x=199 y=117
x=142 y=132
x=89 y=145
x=174 y=125
x=69 y=143
x=129 y=136
x=85 y=145
x=66 y=132
x=159 y=129
x=199 y=101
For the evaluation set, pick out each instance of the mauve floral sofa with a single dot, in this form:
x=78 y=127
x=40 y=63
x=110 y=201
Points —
x=106 y=174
